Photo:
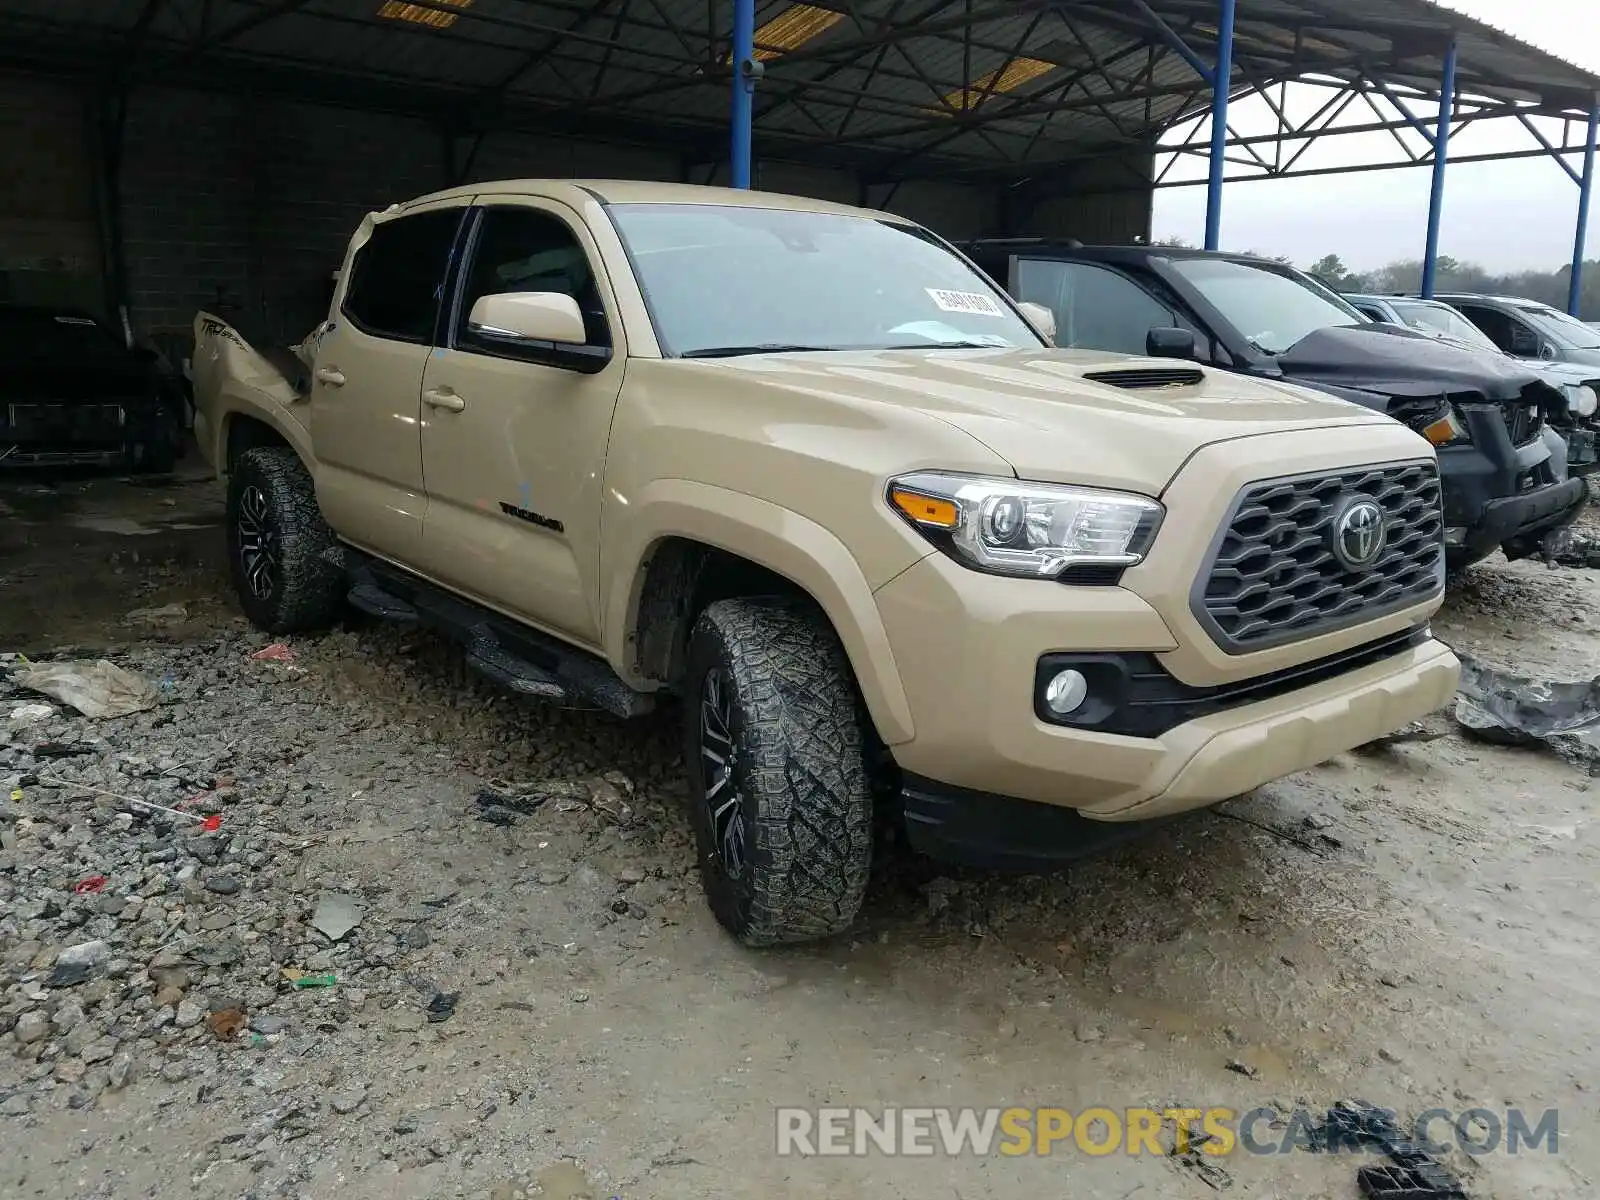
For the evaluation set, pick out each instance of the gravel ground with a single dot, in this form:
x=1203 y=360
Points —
x=532 y=999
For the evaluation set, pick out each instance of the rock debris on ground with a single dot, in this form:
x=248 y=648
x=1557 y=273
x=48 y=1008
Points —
x=524 y=995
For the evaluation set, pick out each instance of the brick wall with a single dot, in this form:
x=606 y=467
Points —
x=49 y=235
x=246 y=204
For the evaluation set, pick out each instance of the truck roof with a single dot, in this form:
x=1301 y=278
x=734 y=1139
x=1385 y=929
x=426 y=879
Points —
x=638 y=191
x=1513 y=301
x=1391 y=297
x=1124 y=253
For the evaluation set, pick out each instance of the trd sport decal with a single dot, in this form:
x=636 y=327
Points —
x=533 y=518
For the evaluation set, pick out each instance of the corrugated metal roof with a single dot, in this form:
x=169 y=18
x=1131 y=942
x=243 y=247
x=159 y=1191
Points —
x=883 y=83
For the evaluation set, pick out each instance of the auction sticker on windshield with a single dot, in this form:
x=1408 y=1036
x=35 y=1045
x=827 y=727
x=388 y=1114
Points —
x=965 y=302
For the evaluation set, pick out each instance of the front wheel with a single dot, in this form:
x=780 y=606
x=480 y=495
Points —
x=780 y=801
x=284 y=558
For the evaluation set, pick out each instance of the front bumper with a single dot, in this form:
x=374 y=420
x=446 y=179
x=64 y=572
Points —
x=968 y=647
x=1521 y=518
x=1195 y=765
x=1494 y=491
x=94 y=433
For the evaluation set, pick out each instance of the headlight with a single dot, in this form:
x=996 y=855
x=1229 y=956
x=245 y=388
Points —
x=1008 y=527
x=1581 y=399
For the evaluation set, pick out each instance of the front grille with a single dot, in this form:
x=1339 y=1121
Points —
x=1524 y=422
x=55 y=421
x=1273 y=577
x=1148 y=377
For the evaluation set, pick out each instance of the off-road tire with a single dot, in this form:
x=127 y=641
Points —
x=308 y=590
x=798 y=771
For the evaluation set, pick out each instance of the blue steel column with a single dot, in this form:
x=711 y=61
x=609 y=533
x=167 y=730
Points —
x=1221 y=81
x=1585 y=190
x=1441 y=153
x=744 y=89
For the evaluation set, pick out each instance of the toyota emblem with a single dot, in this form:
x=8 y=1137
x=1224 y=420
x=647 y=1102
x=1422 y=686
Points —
x=1359 y=534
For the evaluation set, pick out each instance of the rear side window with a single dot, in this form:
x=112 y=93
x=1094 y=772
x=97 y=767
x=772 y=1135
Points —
x=397 y=279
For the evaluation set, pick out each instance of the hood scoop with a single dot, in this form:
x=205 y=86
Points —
x=1146 y=378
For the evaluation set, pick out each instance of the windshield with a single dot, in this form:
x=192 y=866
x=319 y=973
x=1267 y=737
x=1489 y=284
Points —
x=1436 y=319
x=722 y=279
x=1271 y=309
x=41 y=334
x=1568 y=333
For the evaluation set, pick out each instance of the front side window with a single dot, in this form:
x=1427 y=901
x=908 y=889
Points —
x=1096 y=308
x=1273 y=310
x=722 y=280
x=524 y=250
x=397 y=279
x=1568 y=333
x=1496 y=326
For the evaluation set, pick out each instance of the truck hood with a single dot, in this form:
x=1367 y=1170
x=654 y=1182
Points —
x=1041 y=411
x=1559 y=372
x=94 y=379
x=1392 y=361
x=1586 y=358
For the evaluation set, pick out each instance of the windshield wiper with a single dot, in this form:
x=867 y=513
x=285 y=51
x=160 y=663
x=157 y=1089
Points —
x=952 y=345
x=764 y=348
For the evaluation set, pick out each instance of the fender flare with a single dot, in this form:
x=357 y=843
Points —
x=293 y=434
x=783 y=542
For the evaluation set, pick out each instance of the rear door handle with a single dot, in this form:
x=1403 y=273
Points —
x=330 y=376
x=443 y=398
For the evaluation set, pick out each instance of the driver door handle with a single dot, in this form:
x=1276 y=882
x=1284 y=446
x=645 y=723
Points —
x=331 y=376
x=443 y=398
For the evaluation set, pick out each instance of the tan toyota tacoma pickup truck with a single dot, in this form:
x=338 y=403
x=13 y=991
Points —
x=807 y=470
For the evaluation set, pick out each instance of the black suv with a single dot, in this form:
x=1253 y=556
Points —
x=1485 y=413
x=72 y=393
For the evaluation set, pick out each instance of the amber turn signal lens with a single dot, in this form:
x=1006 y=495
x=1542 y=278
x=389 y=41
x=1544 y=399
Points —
x=1443 y=431
x=926 y=510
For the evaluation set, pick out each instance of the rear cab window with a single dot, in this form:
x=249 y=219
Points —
x=397 y=280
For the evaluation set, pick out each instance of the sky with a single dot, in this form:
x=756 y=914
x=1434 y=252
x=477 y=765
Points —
x=1505 y=216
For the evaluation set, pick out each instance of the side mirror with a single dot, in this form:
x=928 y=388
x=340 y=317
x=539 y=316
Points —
x=1170 y=343
x=1041 y=318
x=1547 y=351
x=514 y=317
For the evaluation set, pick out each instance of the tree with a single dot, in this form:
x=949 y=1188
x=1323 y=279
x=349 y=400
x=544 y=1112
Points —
x=1331 y=270
x=1456 y=275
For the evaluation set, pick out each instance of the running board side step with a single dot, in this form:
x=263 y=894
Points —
x=518 y=658
x=376 y=602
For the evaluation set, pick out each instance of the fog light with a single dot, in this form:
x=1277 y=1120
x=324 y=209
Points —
x=1066 y=692
x=1455 y=537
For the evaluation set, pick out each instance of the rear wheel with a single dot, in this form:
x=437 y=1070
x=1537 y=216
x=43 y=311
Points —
x=780 y=801
x=284 y=558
